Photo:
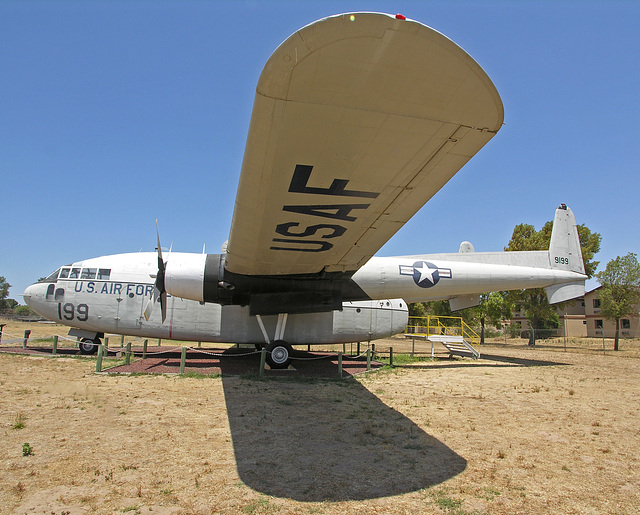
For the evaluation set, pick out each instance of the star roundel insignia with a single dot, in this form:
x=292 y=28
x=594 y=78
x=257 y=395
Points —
x=425 y=274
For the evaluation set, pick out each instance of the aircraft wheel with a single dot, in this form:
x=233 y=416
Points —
x=88 y=347
x=279 y=354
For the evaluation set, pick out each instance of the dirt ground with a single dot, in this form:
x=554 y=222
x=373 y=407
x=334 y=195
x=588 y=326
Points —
x=522 y=430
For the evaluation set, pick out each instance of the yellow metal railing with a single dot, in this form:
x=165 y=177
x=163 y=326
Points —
x=442 y=325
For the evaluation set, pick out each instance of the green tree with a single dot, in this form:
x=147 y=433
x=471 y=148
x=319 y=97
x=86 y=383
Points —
x=10 y=303
x=4 y=292
x=22 y=310
x=541 y=315
x=417 y=309
x=620 y=291
x=439 y=308
x=493 y=308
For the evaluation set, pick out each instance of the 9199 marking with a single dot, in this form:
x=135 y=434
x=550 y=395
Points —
x=562 y=260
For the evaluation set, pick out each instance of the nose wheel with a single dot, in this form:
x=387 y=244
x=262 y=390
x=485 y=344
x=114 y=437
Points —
x=88 y=346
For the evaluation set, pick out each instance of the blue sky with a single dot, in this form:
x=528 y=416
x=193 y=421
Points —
x=113 y=114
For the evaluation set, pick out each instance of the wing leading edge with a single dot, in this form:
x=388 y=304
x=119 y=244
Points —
x=358 y=121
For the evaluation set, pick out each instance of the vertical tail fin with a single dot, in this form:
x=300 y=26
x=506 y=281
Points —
x=565 y=252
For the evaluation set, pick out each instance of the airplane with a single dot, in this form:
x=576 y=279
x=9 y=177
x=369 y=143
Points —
x=358 y=120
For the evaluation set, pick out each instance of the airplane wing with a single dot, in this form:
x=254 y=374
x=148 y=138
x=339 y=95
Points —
x=358 y=120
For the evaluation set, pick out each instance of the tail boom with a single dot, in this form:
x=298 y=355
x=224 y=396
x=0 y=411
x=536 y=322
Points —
x=464 y=275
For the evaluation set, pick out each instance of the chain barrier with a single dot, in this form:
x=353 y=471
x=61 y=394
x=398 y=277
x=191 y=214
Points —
x=222 y=355
x=11 y=338
x=67 y=338
x=123 y=349
x=174 y=349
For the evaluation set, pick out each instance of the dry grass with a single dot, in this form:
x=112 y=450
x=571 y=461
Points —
x=520 y=431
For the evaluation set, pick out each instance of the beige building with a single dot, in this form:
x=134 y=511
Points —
x=572 y=319
x=582 y=318
x=597 y=325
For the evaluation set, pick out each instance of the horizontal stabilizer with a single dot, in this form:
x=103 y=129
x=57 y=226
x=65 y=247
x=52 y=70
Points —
x=563 y=292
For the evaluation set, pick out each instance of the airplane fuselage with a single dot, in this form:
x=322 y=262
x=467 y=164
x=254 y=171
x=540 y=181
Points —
x=109 y=294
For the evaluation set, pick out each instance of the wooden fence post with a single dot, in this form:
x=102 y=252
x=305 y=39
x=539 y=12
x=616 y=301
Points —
x=144 y=348
x=368 y=359
x=127 y=354
x=54 y=350
x=183 y=359
x=390 y=356
x=340 y=365
x=263 y=359
x=99 y=358
x=27 y=332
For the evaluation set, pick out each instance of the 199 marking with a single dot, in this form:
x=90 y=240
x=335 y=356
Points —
x=68 y=312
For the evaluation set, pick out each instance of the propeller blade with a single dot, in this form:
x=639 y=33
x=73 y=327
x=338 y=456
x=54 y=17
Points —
x=160 y=262
x=159 y=292
x=149 y=308
x=163 y=305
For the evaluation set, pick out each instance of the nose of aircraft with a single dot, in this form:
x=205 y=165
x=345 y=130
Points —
x=27 y=294
x=30 y=294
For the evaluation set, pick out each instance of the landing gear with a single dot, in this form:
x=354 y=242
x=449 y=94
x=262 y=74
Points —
x=279 y=354
x=88 y=347
x=278 y=351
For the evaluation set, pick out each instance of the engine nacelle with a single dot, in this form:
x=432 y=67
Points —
x=197 y=277
x=202 y=277
x=184 y=275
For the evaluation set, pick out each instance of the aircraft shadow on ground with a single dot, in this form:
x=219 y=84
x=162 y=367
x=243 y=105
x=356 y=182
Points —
x=329 y=441
x=525 y=362
x=500 y=361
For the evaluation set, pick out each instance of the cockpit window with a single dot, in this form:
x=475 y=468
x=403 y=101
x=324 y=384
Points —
x=88 y=273
x=53 y=277
x=75 y=273
x=104 y=273
x=64 y=273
